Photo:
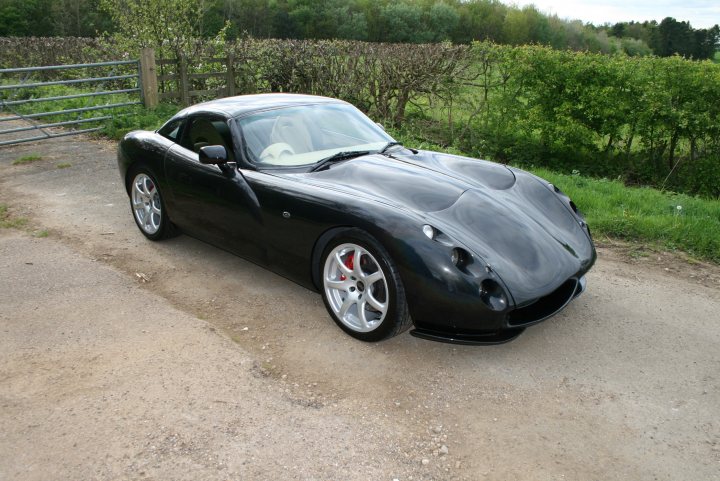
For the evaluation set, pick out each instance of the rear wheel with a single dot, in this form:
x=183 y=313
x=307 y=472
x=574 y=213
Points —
x=362 y=289
x=148 y=207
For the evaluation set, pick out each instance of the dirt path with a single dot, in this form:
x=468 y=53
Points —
x=117 y=362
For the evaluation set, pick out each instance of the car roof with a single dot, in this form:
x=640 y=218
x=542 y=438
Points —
x=243 y=104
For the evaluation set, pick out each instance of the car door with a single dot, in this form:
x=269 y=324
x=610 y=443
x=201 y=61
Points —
x=211 y=202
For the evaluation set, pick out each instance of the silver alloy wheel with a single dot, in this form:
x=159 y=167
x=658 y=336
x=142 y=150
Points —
x=355 y=287
x=146 y=204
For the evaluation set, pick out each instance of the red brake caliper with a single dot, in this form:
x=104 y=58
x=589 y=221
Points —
x=349 y=263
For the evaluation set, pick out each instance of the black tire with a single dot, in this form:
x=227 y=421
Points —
x=163 y=228
x=397 y=315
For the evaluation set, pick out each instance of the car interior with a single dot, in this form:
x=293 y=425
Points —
x=204 y=132
x=293 y=131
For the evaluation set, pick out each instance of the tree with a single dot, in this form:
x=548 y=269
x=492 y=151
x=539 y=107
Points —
x=403 y=22
x=674 y=37
x=353 y=27
x=706 y=42
x=618 y=30
x=162 y=24
x=481 y=20
x=25 y=18
x=442 y=20
x=516 y=28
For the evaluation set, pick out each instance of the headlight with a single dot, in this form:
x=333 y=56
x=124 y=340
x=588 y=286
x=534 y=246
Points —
x=460 y=257
x=493 y=295
x=429 y=231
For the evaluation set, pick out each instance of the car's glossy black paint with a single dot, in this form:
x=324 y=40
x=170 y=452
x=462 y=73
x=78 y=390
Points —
x=518 y=231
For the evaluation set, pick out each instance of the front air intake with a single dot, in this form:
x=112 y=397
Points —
x=545 y=306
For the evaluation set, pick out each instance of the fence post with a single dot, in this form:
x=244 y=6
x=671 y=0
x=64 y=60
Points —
x=230 y=77
x=184 y=84
x=148 y=78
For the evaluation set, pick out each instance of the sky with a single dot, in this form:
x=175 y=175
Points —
x=700 y=13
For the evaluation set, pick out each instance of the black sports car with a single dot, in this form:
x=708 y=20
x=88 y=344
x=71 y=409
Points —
x=465 y=250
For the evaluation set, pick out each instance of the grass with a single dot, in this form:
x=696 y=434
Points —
x=138 y=117
x=663 y=219
x=26 y=159
x=63 y=165
x=7 y=221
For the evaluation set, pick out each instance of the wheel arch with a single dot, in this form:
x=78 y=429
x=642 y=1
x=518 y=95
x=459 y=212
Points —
x=142 y=149
x=382 y=234
x=135 y=167
x=318 y=248
x=140 y=165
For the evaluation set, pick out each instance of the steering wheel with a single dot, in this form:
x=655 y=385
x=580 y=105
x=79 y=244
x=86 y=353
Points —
x=274 y=153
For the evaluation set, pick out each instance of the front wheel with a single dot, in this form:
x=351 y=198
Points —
x=148 y=207
x=362 y=289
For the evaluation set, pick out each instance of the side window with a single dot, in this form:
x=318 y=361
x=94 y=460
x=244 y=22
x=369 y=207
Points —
x=203 y=131
x=171 y=130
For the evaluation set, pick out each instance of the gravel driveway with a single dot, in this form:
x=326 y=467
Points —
x=126 y=359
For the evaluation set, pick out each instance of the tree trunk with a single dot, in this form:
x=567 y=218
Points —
x=628 y=146
x=402 y=101
x=671 y=152
x=693 y=148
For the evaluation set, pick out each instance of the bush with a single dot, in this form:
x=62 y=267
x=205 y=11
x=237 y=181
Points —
x=649 y=120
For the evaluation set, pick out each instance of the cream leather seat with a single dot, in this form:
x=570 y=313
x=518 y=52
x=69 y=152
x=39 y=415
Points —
x=203 y=133
x=290 y=129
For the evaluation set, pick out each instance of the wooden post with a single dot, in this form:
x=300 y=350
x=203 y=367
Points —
x=184 y=83
x=148 y=78
x=230 y=76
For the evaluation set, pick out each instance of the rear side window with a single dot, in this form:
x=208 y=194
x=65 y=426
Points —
x=171 y=130
x=202 y=131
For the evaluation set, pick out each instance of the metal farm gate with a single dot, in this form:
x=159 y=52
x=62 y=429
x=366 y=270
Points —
x=16 y=95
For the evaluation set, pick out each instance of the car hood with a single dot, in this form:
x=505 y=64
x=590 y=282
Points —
x=510 y=219
x=426 y=182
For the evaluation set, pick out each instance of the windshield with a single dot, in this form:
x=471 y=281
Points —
x=297 y=136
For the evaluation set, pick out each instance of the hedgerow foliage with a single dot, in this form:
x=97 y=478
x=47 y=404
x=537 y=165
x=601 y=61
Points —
x=378 y=78
x=646 y=120
x=32 y=51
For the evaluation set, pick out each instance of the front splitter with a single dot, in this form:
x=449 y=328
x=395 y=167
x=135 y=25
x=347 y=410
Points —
x=467 y=338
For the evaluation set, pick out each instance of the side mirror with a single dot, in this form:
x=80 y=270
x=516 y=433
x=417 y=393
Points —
x=213 y=154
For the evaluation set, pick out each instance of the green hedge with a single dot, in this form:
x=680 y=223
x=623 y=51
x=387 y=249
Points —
x=651 y=121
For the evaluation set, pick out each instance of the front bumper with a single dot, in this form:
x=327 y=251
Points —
x=516 y=320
